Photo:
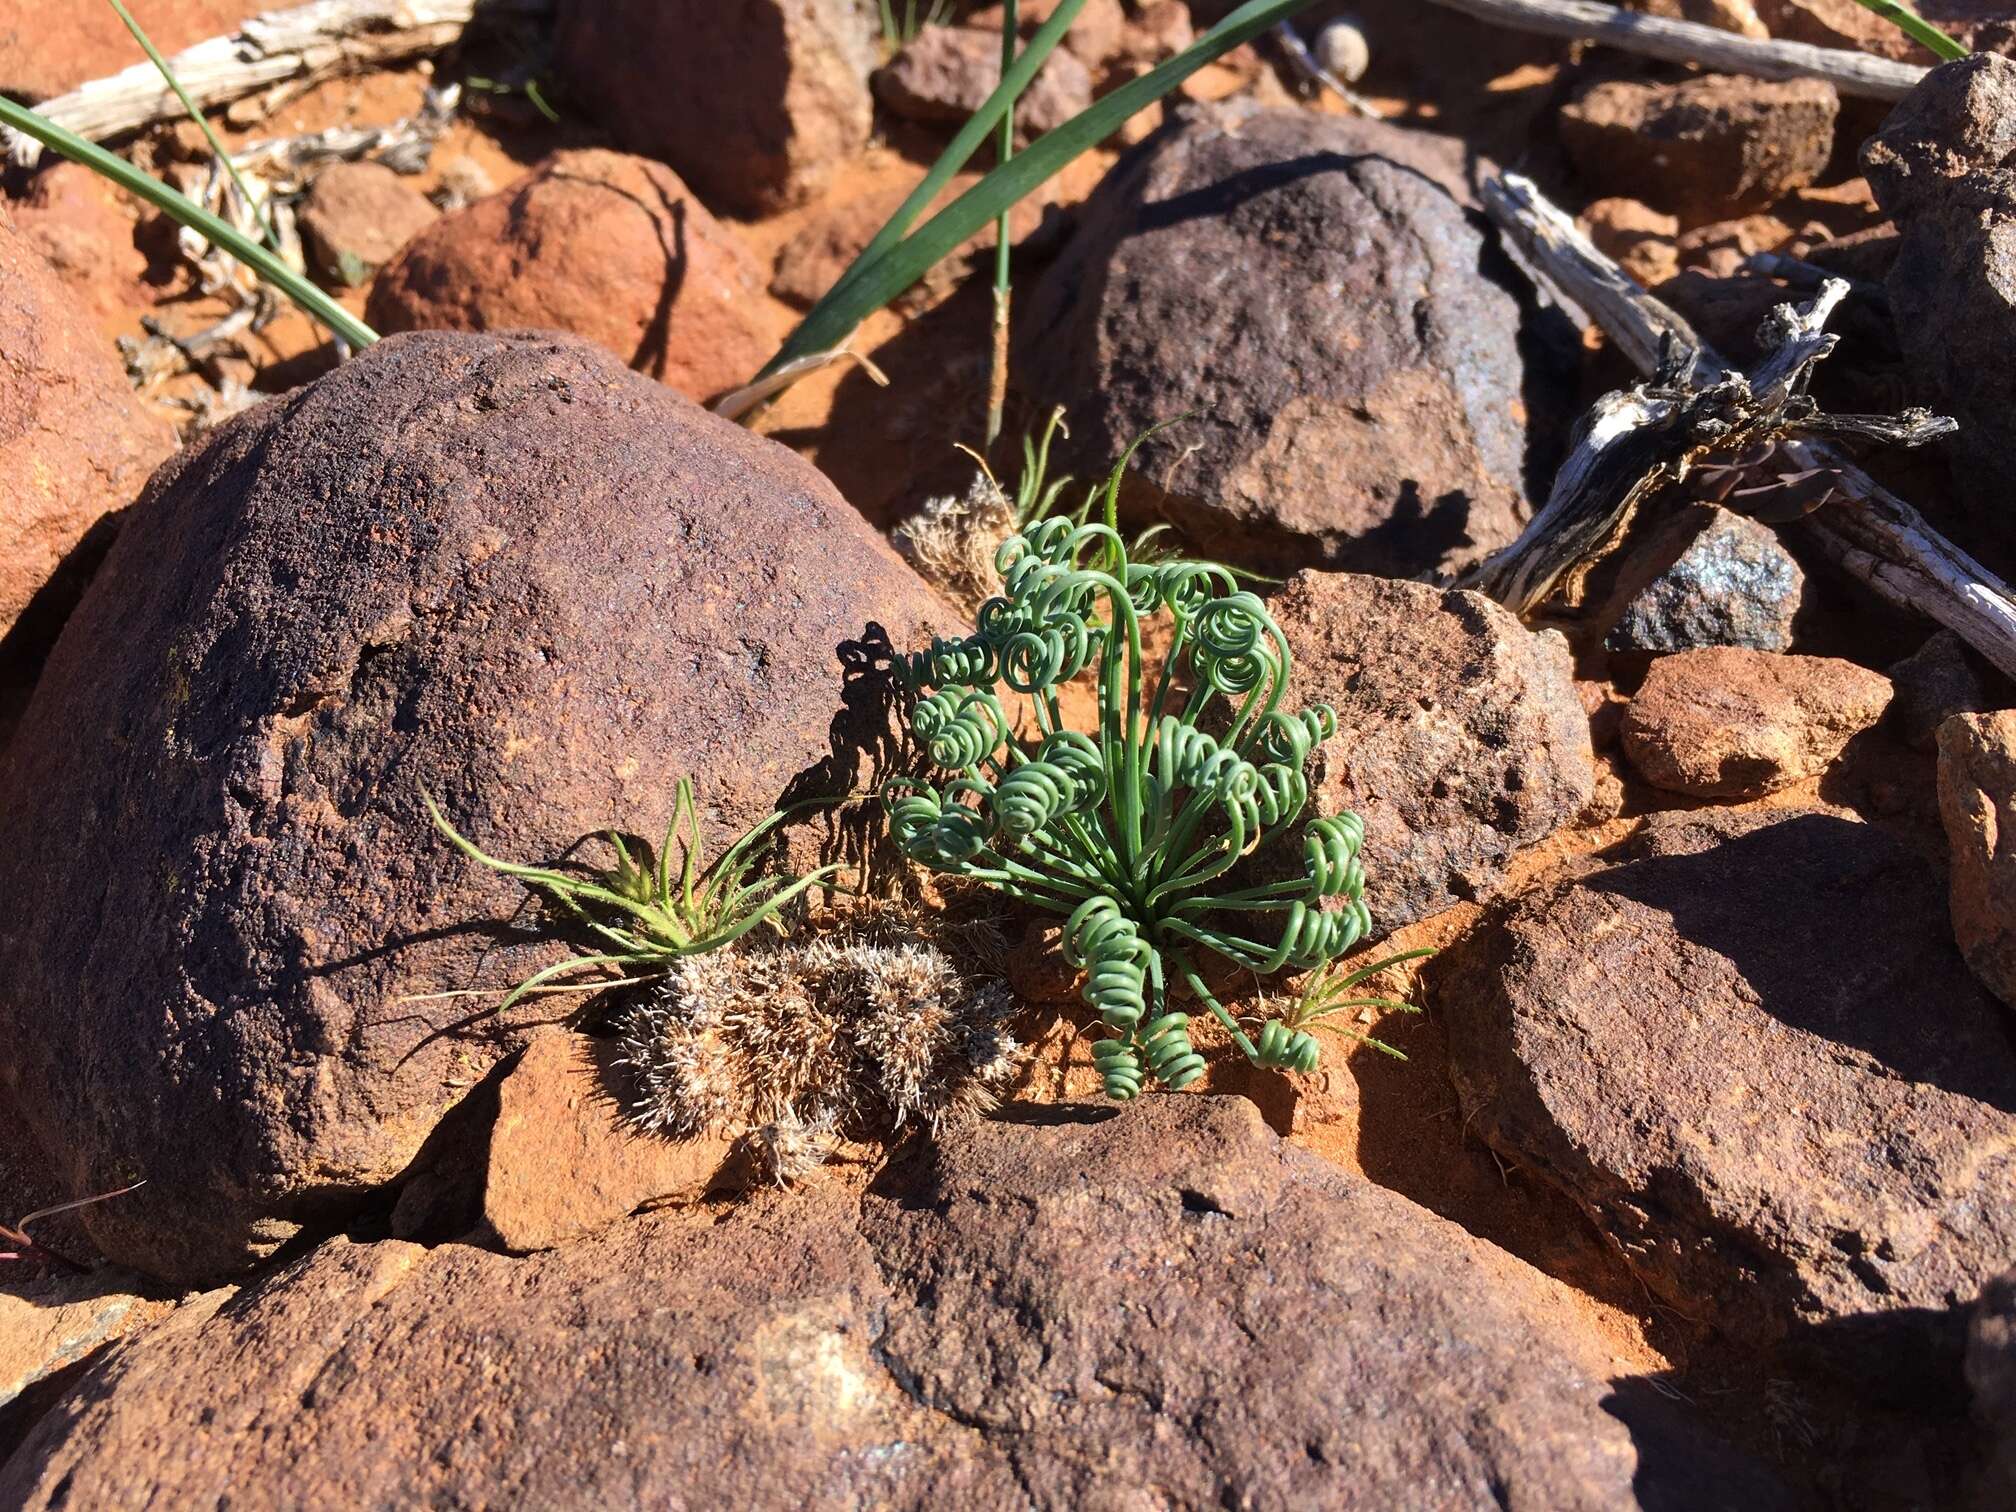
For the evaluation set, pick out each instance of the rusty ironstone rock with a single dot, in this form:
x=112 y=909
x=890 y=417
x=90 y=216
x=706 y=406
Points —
x=1313 y=294
x=1752 y=1054
x=1170 y=1305
x=1977 y=803
x=1460 y=734
x=602 y=245
x=49 y=50
x=1935 y=682
x=1944 y=167
x=755 y=104
x=502 y=568
x=76 y=446
x=357 y=216
x=1709 y=578
x=1703 y=148
x=1729 y=722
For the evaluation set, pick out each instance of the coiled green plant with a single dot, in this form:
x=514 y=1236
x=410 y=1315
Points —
x=1131 y=831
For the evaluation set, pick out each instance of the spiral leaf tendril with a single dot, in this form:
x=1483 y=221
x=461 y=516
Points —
x=1153 y=832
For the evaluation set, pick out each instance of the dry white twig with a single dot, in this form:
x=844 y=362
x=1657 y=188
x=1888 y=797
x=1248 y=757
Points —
x=1867 y=530
x=308 y=42
x=1852 y=73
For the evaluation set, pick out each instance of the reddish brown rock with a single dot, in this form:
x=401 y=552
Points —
x=974 y=1332
x=356 y=218
x=1705 y=148
x=1728 y=722
x=756 y=104
x=604 y=246
x=1751 y=1052
x=1977 y=802
x=1355 y=399
x=86 y=229
x=506 y=570
x=1938 y=680
x=76 y=446
x=1847 y=24
x=948 y=72
x=565 y=1163
x=1639 y=237
x=1460 y=735
x=1739 y=16
x=50 y=50
x=1991 y=1373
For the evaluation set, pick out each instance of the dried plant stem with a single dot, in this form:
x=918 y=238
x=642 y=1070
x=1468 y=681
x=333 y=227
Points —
x=1868 y=531
x=1852 y=73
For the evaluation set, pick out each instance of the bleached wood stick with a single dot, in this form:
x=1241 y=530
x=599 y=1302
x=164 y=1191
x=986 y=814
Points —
x=1852 y=73
x=308 y=42
x=1867 y=531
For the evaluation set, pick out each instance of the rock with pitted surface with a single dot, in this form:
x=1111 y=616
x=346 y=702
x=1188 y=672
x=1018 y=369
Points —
x=1751 y=1052
x=1311 y=292
x=1170 y=1305
x=1944 y=168
x=1460 y=735
x=755 y=104
x=1703 y=148
x=76 y=446
x=605 y=246
x=1728 y=722
x=1937 y=681
x=501 y=569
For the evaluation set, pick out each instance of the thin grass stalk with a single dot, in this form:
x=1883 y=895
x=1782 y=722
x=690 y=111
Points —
x=878 y=276
x=813 y=332
x=202 y=123
x=185 y=212
x=997 y=372
x=1917 y=28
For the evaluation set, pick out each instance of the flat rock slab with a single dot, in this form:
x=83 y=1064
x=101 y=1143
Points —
x=1083 y=1310
x=1312 y=294
x=1753 y=1055
x=1460 y=735
x=507 y=570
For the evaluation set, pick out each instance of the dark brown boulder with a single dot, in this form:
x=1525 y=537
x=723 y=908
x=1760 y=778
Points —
x=1169 y=1307
x=755 y=104
x=76 y=446
x=1751 y=1052
x=1991 y=1373
x=604 y=246
x=1944 y=167
x=947 y=72
x=504 y=568
x=1312 y=292
x=1705 y=148
x=1460 y=736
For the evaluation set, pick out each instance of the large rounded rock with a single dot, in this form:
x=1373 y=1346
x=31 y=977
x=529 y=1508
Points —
x=1312 y=293
x=1752 y=1054
x=75 y=446
x=604 y=246
x=504 y=569
x=1166 y=1308
x=1460 y=737
x=756 y=104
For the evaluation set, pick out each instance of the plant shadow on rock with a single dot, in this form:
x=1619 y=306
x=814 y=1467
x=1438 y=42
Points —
x=1729 y=899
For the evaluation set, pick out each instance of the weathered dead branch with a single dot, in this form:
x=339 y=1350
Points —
x=1853 y=520
x=306 y=44
x=1852 y=73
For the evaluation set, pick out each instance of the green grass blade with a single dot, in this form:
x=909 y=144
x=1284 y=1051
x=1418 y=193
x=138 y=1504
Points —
x=185 y=212
x=814 y=331
x=878 y=276
x=1917 y=28
x=202 y=123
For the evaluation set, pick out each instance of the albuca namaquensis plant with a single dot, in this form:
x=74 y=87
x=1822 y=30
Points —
x=1131 y=830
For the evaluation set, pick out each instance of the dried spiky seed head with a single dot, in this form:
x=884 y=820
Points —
x=789 y=1148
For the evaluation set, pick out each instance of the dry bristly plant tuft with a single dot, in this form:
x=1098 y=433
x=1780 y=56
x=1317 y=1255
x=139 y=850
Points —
x=952 y=541
x=862 y=1032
